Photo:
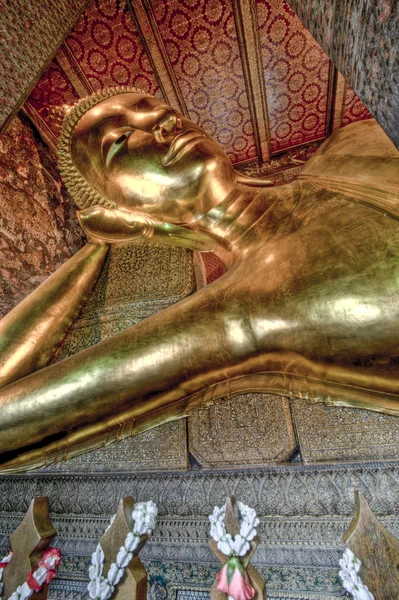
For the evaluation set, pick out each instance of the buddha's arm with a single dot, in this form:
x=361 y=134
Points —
x=157 y=355
x=31 y=332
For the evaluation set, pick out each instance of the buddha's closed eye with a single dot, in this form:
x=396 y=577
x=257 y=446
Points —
x=113 y=142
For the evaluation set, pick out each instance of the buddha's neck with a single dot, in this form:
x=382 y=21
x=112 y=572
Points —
x=246 y=219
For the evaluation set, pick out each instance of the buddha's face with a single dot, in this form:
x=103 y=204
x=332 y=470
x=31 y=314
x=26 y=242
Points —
x=142 y=155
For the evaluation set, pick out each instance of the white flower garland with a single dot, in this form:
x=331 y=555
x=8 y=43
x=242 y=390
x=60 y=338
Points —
x=3 y=563
x=102 y=588
x=349 y=574
x=43 y=574
x=238 y=546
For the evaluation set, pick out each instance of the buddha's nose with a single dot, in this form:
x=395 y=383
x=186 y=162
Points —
x=169 y=124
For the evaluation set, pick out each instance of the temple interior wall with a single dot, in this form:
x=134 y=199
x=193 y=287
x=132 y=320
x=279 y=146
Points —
x=38 y=226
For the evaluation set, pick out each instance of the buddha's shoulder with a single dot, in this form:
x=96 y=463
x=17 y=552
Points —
x=358 y=160
x=364 y=138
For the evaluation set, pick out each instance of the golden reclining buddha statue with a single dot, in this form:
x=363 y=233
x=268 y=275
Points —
x=308 y=306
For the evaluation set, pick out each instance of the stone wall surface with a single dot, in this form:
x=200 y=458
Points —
x=360 y=37
x=38 y=227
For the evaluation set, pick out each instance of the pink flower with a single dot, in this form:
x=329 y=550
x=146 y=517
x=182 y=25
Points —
x=233 y=580
x=50 y=560
x=32 y=582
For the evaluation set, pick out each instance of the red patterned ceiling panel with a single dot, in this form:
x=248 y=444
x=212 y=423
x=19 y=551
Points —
x=103 y=50
x=296 y=76
x=201 y=42
x=353 y=108
x=107 y=48
x=53 y=89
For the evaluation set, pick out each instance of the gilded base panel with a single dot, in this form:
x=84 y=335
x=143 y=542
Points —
x=331 y=433
x=247 y=430
x=162 y=448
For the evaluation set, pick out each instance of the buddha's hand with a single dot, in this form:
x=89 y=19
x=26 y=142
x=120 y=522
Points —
x=117 y=226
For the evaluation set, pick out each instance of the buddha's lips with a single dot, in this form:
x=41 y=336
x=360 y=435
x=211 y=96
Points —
x=180 y=143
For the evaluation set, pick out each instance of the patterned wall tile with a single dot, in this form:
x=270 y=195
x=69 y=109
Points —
x=201 y=42
x=296 y=75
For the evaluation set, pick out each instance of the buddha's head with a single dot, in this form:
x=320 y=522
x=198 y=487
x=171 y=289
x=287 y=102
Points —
x=127 y=150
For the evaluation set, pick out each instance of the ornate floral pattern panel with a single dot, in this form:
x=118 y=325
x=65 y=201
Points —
x=107 y=48
x=201 y=42
x=297 y=75
x=203 y=61
x=39 y=230
x=102 y=50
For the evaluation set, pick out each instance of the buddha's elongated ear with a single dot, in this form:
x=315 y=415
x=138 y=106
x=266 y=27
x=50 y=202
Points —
x=255 y=181
x=118 y=226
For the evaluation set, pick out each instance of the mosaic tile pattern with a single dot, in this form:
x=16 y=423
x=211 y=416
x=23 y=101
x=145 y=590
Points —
x=247 y=430
x=137 y=281
x=333 y=433
x=162 y=448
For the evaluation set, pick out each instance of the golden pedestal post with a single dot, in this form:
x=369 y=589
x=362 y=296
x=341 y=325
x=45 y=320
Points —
x=133 y=585
x=233 y=527
x=377 y=549
x=28 y=542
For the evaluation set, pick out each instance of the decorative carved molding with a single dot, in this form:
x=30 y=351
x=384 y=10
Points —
x=304 y=511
